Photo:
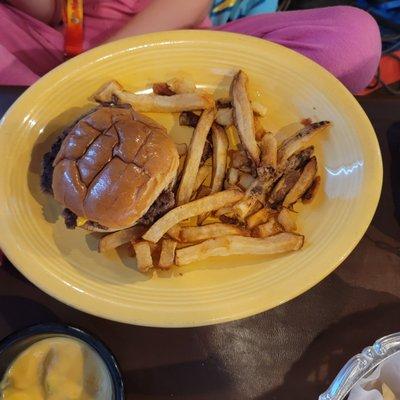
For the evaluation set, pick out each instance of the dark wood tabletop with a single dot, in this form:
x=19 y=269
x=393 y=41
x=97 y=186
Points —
x=292 y=351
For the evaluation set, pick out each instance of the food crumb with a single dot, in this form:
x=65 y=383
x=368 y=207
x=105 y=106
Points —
x=306 y=121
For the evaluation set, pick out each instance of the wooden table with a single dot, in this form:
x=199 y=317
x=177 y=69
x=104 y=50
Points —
x=293 y=351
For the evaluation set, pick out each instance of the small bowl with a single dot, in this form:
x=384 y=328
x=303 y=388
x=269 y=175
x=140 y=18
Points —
x=361 y=365
x=17 y=342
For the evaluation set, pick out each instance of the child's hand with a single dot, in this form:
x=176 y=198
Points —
x=163 y=15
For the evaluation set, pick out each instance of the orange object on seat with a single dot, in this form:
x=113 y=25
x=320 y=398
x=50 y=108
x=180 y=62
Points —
x=73 y=20
x=389 y=72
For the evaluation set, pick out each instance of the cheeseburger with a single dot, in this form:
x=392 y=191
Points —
x=112 y=169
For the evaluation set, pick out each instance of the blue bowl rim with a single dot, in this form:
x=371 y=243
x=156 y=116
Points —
x=54 y=328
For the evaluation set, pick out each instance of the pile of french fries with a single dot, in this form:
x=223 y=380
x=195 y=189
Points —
x=236 y=185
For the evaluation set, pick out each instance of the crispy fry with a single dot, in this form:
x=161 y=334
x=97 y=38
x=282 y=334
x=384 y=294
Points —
x=194 y=208
x=304 y=182
x=181 y=148
x=198 y=233
x=269 y=150
x=270 y=228
x=236 y=245
x=224 y=102
x=259 y=129
x=239 y=159
x=220 y=156
x=299 y=159
x=244 y=207
x=202 y=175
x=152 y=102
x=182 y=160
x=116 y=239
x=107 y=92
x=193 y=157
x=162 y=89
x=283 y=186
x=286 y=219
x=245 y=180
x=229 y=220
x=243 y=115
x=143 y=255
x=295 y=142
x=175 y=232
x=260 y=217
x=224 y=211
x=167 y=255
x=312 y=190
x=224 y=116
x=233 y=176
x=258 y=108
x=188 y=118
x=181 y=85
x=203 y=192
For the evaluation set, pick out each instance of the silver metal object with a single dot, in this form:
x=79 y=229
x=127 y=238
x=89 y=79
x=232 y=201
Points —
x=361 y=365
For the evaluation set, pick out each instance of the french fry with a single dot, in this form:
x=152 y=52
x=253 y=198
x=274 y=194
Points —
x=154 y=103
x=224 y=116
x=236 y=245
x=285 y=218
x=299 y=159
x=260 y=217
x=202 y=175
x=233 y=176
x=203 y=192
x=162 y=89
x=259 y=129
x=270 y=228
x=118 y=238
x=269 y=150
x=193 y=158
x=245 y=180
x=209 y=203
x=224 y=211
x=256 y=192
x=175 y=233
x=220 y=156
x=229 y=220
x=243 y=115
x=223 y=102
x=181 y=85
x=188 y=118
x=239 y=159
x=312 y=190
x=304 y=182
x=204 y=232
x=143 y=255
x=295 y=142
x=258 y=108
x=283 y=187
x=244 y=207
x=182 y=160
x=167 y=255
x=181 y=148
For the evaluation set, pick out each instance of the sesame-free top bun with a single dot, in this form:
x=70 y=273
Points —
x=112 y=166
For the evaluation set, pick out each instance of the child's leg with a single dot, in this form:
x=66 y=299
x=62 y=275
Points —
x=28 y=48
x=345 y=40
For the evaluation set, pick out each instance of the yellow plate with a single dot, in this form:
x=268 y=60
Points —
x=65 y=263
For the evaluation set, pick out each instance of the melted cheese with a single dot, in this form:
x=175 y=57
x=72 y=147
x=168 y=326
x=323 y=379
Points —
x=57 y=369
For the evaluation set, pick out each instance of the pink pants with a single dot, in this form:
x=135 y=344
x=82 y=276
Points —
x=344 y=40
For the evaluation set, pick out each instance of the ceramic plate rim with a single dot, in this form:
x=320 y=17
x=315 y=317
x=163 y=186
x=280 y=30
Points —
x=129 y=44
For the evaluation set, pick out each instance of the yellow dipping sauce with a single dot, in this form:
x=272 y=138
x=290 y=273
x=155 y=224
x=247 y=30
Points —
x=58 y=368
